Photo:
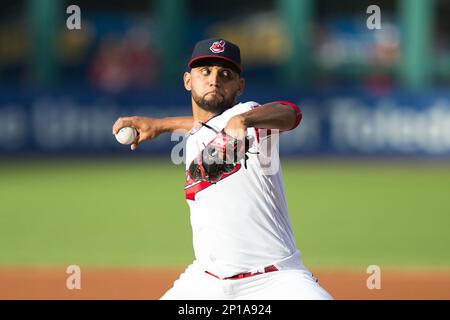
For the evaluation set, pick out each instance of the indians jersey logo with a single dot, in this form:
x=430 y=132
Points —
x=218 y=46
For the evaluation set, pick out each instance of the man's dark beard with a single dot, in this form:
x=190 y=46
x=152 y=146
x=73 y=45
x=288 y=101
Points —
x=216 y=105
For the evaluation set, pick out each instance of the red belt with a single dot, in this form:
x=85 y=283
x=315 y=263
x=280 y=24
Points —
x=271 y=268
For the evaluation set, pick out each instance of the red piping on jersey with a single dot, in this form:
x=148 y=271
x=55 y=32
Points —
x=191 y=191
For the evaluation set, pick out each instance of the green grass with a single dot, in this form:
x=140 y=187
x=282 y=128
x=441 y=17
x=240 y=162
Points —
x=133 y=213
x=351 y=215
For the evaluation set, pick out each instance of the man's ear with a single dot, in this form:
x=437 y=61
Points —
x=241 y=86
x=187 y=80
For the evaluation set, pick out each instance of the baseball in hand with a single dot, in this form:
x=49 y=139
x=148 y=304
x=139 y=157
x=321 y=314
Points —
x=126 y=135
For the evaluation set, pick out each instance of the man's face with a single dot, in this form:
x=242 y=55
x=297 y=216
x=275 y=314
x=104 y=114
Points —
x=214 y=85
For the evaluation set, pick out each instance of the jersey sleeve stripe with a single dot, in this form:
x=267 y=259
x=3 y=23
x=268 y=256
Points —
x=297 y=111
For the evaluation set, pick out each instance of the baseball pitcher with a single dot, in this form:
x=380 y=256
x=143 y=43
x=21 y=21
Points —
x=242 y=236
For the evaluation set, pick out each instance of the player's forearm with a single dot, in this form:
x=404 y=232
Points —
x=151 y=128
x=172 y=124
x=273 y=115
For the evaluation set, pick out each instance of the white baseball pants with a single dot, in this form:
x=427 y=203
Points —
x=196 y=284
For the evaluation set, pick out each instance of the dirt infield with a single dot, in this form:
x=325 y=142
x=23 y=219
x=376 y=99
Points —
x=41 y=283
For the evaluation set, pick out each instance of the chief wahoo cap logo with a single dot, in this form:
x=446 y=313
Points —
x=218 y=46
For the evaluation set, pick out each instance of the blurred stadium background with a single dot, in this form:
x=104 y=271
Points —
x=367 y=173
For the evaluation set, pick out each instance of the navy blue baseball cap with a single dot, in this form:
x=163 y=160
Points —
x=219 y=49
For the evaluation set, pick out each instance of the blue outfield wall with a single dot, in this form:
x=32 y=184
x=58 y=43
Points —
x=334 y=122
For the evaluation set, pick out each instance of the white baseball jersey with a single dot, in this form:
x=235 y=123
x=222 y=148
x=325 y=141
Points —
x=241 y=223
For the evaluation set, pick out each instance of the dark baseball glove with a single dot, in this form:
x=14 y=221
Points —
x=218 y=157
